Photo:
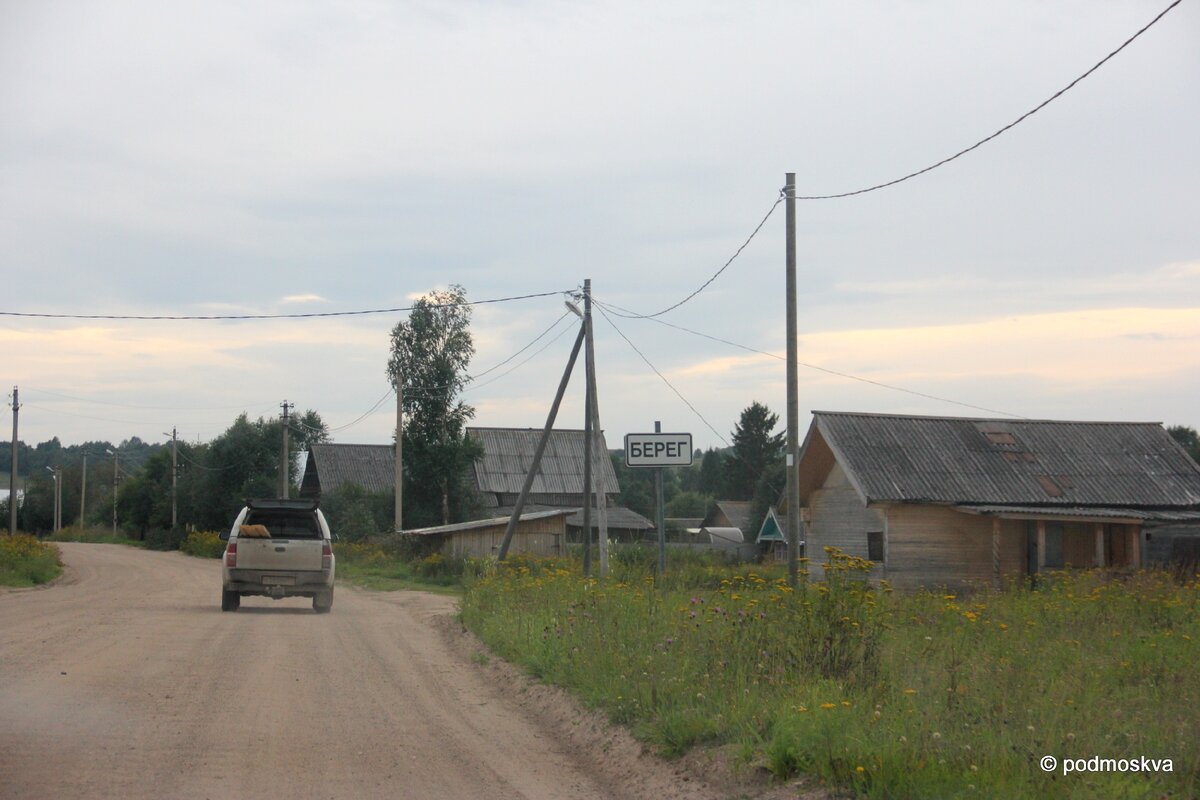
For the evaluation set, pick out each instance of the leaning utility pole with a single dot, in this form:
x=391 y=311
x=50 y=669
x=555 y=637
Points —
x=399 y=526
x=793 y=392
x=283 y=456
x=12 y=475
x=541 y=447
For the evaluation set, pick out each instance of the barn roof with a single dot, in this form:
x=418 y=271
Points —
x=736 y=511
x=508 y=454
x=1002 y=462
x=331 y=466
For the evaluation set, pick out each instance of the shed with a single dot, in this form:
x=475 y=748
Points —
x=541 y=533
x=729 y=514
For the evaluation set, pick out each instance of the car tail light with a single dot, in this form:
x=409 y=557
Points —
x=326 y=556
x=231 y=554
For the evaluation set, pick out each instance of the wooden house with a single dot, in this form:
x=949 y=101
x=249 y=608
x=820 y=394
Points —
x=497 y=476
x=948 y=501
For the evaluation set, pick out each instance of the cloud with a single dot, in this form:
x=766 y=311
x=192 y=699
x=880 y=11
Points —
x=303 y=298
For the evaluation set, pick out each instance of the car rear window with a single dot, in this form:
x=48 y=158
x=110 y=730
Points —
x=286 y=525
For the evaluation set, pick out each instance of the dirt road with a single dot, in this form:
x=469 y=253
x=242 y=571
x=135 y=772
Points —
x=125 y=680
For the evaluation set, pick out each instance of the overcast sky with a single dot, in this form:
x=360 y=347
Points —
x=287 y=157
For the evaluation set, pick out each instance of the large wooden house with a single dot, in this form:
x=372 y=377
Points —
x=948 y=501
x=497 y=476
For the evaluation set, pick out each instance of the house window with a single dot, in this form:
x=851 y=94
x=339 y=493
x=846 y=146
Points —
x=875 y=545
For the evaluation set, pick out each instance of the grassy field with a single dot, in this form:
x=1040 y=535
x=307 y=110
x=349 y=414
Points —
x=882 y=695
x=375 y=567
x=24 y=561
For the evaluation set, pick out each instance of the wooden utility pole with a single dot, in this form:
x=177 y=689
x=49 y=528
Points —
x=12 y=475
x=115 y=468
x=588 y=488
x=541 y=448
x=174 y=477
x=283 y=456
x=599 y=454
x=659 y=513
x=399 y=525
x=793 y=392
x=83 y=492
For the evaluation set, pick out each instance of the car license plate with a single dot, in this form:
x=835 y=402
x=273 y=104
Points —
x=279 y=580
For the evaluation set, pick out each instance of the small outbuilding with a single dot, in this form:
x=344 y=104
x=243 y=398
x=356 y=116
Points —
x=542 y=533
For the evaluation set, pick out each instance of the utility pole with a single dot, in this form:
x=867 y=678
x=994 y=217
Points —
x=541 y=447
x=283 y=456
x=83 y=492
x=399 y=526
x=174 y=477
x=54 y=474
x=113 y=453
x=598 y=453
x=588 y=488
x=660 y=513
x=58 y=487
x=12 y=475
x=793 y=392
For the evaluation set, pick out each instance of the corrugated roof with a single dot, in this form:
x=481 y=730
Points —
x=736 y=511
x=492 y=522
x=371 y=466
x=1086 y=512
x=618 y=517
x=1010 y=462
x=508 y=454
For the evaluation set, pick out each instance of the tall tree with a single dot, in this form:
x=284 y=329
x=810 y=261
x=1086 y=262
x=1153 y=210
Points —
x=711 y=468
x=755 y=447
x=1188 y=438
x=430 y=354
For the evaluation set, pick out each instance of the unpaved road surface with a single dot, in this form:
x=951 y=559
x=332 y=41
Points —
x=125 y=680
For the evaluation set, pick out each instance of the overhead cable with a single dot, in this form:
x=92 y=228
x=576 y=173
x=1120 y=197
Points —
x=662 y=377
x=828 y=371
x=1007 y=127
x=308 y=315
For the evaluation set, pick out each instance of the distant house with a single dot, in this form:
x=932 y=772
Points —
x=329 y=467
x=498 y=475
x=949 y=500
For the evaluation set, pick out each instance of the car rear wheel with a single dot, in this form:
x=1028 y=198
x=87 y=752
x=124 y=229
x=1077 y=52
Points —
x=323 y=603
x=230 y=601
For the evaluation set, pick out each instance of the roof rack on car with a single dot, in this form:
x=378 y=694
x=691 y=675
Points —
x=280 y=504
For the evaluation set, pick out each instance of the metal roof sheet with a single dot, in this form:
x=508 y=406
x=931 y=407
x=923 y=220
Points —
x=959 y=460
x=508 y=454
x=371 y=466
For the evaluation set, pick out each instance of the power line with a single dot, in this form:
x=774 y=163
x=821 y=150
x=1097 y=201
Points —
x=828 y=371
x=910 y=175
x=507 y=372
x=1007 y=127
x=716 y=274
x=309 y=315
x=663 y=377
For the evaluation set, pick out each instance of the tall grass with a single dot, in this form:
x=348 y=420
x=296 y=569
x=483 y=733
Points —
x=25 y=561
x=928 y=695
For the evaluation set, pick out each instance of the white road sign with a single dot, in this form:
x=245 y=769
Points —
x=658 y=449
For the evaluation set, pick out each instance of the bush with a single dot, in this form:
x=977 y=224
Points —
x=24 y=561
x=203 y=544
x=164 y=539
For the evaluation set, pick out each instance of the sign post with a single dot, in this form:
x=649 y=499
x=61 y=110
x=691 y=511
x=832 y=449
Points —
x=657 y=450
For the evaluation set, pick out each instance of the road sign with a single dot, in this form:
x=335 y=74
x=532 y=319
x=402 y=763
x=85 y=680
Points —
x=658 y=449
